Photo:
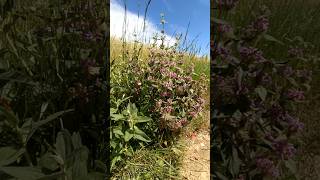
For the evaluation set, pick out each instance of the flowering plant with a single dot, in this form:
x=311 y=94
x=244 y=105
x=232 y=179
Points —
x=254 y=100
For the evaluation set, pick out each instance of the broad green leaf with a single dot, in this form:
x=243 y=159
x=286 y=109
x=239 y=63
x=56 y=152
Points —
x=79 y=169
x=9 y=155
x=143 y=119
x=60 y=145
x=262 y=92
x=236 y=162
x=117 y=117
x=291 y=165
x=118 y=131
x=127 y=136
x=48 y=162
x=132 y=109
x=23 y=173
x=76 y=140
x=138 y=134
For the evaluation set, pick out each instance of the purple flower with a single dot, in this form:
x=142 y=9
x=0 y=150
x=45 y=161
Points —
x=269 y=137
x=294 y=124
x=250 y=52
x=288 y=71
x=158 y=104
x=168 y=85
x=167 y=109
x=224 y=28
x=192 y=113
x=284 y=149
x=88 y=35
x=267 y=167
x=295 y=52
x=183 y=121
x=223 y=52
x=163 y=71
x=172 y=75
x=164 y=94
x=295 y=95
x=304 y=74
x=188 y=78
x=261 y=24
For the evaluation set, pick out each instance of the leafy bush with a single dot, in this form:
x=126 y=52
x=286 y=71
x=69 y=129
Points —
x=254 y=100
x=162 y=93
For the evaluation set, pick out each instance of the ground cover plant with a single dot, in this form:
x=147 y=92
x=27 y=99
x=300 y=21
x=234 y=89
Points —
x=52 y=89
x=255 y=93
x=156 y=91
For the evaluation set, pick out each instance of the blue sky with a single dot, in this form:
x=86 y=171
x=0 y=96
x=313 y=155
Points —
x=178 y=13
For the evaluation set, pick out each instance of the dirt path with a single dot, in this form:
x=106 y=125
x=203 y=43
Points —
x=196 y=162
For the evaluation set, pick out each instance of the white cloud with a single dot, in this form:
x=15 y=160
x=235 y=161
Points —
x=133 y=25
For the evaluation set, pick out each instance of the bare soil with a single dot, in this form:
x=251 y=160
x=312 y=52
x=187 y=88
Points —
x=196 y=162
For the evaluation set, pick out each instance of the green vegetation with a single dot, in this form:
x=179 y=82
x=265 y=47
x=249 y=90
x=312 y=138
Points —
x=51 y=85
x=291 y=38
x=157 y=92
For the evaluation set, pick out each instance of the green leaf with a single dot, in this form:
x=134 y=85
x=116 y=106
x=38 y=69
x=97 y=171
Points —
x=47 y=120
x=48 y=162
x=43 y=109
x=23 y=173
x=140 y=135
x=262 y=92
x=79 y=169
x=60 y=145
x=118 y=131
x=221 y=176
x=115 y=160
x=117 y=117
x=132 y=109
x=76 y=140
x=235 y=162
x=143 y=119
x=11 y=117
x=271 y=38
x=127 y=136
x=9 y=155
x=291 y=165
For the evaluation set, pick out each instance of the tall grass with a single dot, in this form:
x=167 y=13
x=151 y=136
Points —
x=289 y=18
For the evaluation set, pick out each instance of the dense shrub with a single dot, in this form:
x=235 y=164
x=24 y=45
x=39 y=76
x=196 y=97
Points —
x=160 y=91
x=254 y=100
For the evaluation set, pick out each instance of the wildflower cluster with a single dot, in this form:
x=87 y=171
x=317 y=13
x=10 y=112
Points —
x=254 y=100
x=176 y=95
